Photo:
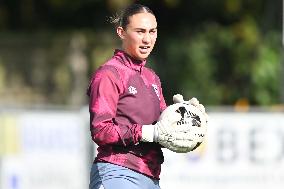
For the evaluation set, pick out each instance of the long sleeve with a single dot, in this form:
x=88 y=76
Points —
x=104 y=91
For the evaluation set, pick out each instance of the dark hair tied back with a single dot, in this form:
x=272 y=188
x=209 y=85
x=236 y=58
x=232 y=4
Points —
x=122 y=18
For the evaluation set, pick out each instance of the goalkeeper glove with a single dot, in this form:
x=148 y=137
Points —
x=193 y=101
x=166 y=131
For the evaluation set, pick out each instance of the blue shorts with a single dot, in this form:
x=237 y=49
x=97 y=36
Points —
x=110 y=176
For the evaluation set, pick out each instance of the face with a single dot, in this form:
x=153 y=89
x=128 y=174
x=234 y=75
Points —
x=139 y=37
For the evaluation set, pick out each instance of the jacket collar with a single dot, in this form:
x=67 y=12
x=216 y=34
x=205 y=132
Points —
x=129 y=61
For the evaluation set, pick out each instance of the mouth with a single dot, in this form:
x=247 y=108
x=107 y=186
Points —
x=144 y=49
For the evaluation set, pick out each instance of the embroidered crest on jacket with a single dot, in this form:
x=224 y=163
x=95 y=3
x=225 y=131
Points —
x=155 y=87
x=132 y=90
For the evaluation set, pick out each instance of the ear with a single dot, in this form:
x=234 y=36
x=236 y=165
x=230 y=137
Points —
x=120 y=32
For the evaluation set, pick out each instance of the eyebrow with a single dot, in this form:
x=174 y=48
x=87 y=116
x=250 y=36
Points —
x=145 y=29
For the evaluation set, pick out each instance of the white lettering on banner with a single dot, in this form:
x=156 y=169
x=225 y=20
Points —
x=242 y=150
x=265 y=145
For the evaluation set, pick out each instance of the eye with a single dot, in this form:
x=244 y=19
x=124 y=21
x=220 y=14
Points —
x=153 y=31
x=140 y=31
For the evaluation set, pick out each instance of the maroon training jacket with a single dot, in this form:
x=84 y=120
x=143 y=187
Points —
x=124 y=95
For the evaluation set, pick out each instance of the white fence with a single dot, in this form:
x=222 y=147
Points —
x=52 y=150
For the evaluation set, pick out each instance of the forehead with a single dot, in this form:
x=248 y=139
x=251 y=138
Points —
x=142 y=20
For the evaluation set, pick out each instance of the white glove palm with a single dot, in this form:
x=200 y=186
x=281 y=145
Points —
x=169 y=133
x=166 y=132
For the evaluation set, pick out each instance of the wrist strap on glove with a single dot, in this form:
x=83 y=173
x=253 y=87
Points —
x=148 y=133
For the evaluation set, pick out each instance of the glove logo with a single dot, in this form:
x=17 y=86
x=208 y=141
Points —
x=188 y=117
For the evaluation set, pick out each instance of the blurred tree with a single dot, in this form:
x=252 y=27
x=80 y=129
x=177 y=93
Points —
x=222 y=51
x=218 y=52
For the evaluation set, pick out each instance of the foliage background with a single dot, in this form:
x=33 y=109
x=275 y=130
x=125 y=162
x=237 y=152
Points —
x=224 y=52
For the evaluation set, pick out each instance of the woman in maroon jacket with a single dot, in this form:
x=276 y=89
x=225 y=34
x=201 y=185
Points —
x=126 y=101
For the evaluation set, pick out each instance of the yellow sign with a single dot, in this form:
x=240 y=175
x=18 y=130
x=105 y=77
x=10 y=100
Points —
x=9 y=134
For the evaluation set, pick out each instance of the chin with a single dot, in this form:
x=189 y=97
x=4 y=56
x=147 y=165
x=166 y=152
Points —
x=142 y=56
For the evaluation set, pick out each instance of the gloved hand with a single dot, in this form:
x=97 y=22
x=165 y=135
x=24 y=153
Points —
x=167 y=132
x=177 y=98
x=197 y=133
x=165 y=129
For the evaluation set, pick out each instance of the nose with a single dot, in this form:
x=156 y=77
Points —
x=146 y=38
